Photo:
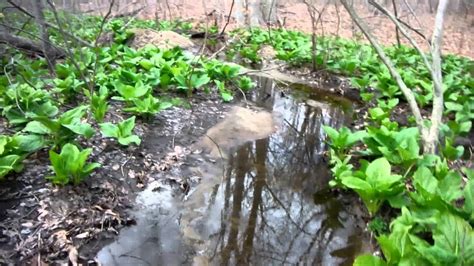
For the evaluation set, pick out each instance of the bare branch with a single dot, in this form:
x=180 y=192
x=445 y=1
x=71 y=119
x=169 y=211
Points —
x=397 y=32
x=228 y=17
x=409 y=96
x=23 y=10
x=403 y=31
x=412 y=12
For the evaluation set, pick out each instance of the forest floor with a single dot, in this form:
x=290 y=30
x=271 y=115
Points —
x=458 y=30
x=71 y=224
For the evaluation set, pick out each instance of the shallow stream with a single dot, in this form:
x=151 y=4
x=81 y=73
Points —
x=259 y=192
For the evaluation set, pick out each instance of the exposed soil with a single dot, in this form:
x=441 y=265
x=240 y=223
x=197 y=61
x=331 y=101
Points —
x=161 y=39
x=43 y=223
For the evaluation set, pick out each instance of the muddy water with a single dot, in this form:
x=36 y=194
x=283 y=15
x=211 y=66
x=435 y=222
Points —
x=260 y=197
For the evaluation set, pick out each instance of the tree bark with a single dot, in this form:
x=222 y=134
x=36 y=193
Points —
x=397 y=33
x=438 y=100
x=45 y=45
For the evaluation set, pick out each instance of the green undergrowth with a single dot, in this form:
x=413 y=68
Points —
x=430 y=218
x=61 y=111
x=431 y=203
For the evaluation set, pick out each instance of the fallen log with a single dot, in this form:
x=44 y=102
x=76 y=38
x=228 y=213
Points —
x=29 y=45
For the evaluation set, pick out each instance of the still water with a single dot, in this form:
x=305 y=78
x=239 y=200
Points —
x=262 y=199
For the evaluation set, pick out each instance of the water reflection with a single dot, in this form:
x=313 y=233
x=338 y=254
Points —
x=268 y=207
x=264 y=212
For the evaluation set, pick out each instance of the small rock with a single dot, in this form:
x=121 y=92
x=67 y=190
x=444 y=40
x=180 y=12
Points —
x=26 y=231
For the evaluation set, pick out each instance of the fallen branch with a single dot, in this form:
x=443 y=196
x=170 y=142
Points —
x=29 y=45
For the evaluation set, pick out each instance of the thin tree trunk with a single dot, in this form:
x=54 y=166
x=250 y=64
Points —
x=430 y=136
x=397 y=33
x=409 y=96
x=438 y=100
x=312 y=15
x=39 y=17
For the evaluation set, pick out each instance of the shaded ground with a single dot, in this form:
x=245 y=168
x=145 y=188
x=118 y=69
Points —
x=40 y=222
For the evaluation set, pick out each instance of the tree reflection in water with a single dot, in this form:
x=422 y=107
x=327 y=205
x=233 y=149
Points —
x=265 y=212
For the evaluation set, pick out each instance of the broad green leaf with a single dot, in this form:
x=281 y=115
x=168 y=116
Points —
x=130 y=139
x=227 y=96
x=126 y=126
x=37 y=127
x=378 y=170
x=451 y=106
x=83 y=129
x=369 y=260
x=73 y=114
x=389 y=249
x=199 y=80
x=450 y=187
x=331 y=132
x=424 y=180
x=468 y=194
x=454 y=241
x=356 y=184
x=109 y=130
x=8 y=164
x=30 y=143
x=70 y=165
x=146 y=64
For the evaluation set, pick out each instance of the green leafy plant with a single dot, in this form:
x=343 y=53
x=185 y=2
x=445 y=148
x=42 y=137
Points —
x=62 y=129
x=69 y=87
x=70 y=166
x=341 y=141
x=246 y=84
x=22 y=103
x=216 y=70
x=98 y=103
x=10 y=163
x=129 y=92
x=376 y=184
x=399 y=147
x=189 y=80
x=341 y=168
x=122 y=131
x=148 y=106
x=226 y=95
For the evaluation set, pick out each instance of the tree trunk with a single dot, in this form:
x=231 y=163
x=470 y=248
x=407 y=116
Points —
x=45 y=44
x=429 y=135
x=438 y=100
